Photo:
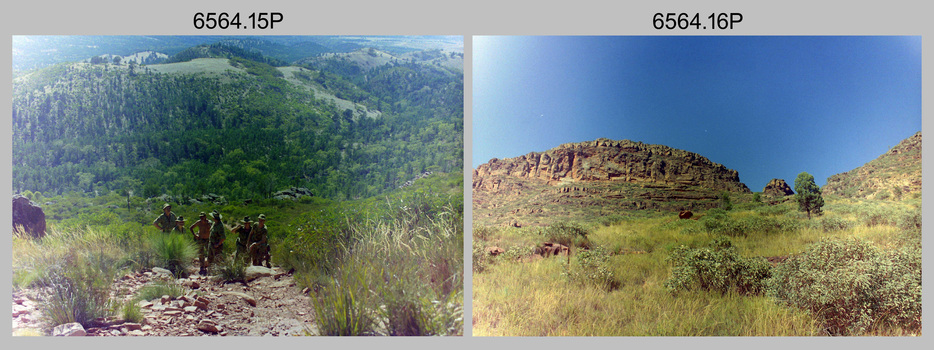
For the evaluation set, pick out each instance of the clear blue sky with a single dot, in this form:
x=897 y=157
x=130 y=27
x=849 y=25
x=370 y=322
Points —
x=768 y=107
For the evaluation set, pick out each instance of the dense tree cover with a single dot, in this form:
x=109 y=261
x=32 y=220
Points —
x=97 y=128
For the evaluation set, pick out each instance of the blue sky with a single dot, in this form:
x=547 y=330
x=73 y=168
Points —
x=768 y=107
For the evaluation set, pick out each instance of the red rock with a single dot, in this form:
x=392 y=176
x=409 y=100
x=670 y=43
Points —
x=28 y=216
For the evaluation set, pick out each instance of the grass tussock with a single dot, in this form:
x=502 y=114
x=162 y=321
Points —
x=396 y=275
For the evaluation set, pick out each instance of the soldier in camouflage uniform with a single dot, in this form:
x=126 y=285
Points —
x=201 y=238
x=179 y=225
x=259 y=246
x=218 y=235
x=166 y=221
x=243 y=231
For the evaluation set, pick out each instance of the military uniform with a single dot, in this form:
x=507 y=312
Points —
x=218 y=235
x=179 y=226
x=243 y=235
x=166 y=222
x=259 y=245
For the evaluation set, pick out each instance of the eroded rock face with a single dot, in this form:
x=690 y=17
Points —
x=777 y=188
x=609 y=160
x=29 y=216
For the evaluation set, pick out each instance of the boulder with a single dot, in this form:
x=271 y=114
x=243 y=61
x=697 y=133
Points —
x=777 y=188
x=548 y=249
x=494 y=250
x=28 y=216
x=685 y=214
x=73 y=329
x=248 y=299
x=160 y=272
x=254 y=272
x=208 y=326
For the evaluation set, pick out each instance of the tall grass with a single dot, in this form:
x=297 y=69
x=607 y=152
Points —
x=522 y=298
x=399 y=274
x=174 y=252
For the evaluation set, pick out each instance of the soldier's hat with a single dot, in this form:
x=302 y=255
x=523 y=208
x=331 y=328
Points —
x=247 y=219
x=216 y=214
x=262 y=217
x=166 y=205
x=180 y=219
x=202 y=214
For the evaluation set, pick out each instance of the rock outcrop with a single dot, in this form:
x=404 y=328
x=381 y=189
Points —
x=608 y=160
x=28 y=216
x=893 y=175
x=777 y=188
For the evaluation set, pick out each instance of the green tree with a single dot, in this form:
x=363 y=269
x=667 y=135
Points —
x=808 y=194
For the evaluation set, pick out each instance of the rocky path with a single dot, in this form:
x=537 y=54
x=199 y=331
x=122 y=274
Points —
x=269 y=304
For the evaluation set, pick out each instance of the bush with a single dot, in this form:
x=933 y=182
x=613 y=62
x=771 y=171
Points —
x=157 y=289
x=910 y=220
x=832 y=223
x=231 y=269
x=853 y=287
x=567 y=234
x=174 y=252
x=341 y=307
x=131 y=312
x=590 y=267
x=716 y=267
x=77 y=291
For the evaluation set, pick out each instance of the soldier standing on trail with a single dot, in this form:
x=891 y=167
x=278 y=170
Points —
x=166 y=221
x=218 y=235
x=201 y=238
x=243 y=235
x=259 y=246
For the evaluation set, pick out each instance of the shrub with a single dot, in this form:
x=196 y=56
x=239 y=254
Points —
x=157 y=289
x=231 y=269
x=852 y=287
x=725 y=202
x=832 y=223
x=174 y=252
x=591 y=267
x=567 y=234
x=910 y=220
x=716 y=267
x=341 y=306
x=131 y=312
x=77 y=291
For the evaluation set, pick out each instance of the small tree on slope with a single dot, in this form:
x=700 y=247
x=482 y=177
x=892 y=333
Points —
x=808 y=194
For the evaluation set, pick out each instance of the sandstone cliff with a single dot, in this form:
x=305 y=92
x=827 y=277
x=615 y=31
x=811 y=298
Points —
x=608 y=160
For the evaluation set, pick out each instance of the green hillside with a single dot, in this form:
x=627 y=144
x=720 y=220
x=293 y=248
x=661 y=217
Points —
x=238 y=129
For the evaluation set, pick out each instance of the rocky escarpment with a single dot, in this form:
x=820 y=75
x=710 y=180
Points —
x=609 y=160
x=777 y=188
x=896 y=174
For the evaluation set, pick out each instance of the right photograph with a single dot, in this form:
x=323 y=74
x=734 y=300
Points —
x=696 y=186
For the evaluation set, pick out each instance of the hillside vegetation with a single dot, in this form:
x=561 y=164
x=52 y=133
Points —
x=242 y=131
x=750 y=271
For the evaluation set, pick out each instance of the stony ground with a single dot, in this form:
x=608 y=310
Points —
x=271 y=305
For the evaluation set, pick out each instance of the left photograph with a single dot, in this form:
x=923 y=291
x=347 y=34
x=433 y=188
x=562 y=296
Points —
x=237 y=186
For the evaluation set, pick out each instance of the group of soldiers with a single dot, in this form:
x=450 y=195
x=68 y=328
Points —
x=252 y=238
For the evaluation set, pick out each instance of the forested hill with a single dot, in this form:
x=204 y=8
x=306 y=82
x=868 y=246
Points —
x=235 y=126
